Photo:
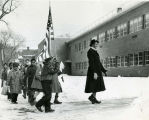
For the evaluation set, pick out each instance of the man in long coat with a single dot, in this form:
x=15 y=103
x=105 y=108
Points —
x=94 y=82
x=48 y=75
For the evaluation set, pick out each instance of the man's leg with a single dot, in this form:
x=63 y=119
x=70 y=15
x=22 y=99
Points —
x=56 y=99
x=45 y=100
x=15 y=97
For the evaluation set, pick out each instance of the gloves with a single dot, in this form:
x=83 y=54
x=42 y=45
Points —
x=95 y=76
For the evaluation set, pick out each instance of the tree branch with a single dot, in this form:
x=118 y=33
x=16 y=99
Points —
x=3 y=7
x=4 y=22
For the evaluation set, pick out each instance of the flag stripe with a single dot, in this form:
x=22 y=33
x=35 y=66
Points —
x=2 y=54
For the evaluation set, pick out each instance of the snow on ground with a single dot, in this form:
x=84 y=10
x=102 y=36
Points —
x=125 y=98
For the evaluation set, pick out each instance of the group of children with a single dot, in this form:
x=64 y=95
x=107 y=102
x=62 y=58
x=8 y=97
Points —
x=30 y=79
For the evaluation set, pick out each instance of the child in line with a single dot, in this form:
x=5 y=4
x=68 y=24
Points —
x=14 y=80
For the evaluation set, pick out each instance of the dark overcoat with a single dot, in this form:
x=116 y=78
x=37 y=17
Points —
x=95 y=66
x=30 y=74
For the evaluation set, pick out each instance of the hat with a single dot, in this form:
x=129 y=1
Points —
x=15 y=64
x=93 y=42
x=33 y=59
x=47 y=60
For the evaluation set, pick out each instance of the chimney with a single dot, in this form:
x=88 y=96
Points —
x=27 y=48
x=119 y=10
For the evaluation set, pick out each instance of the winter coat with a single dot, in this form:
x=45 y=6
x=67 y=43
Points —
x=14 y=80
x=4 y=76
x=56 y=86
x=36 y=84
x=49 y=69
x=30 y=74
x=95 y=66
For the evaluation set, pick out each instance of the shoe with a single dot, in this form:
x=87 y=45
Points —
x=49 y=110
x=96 y=101
x=39 y=108
x=92 y=99
x=14 y=102
x=57 y=102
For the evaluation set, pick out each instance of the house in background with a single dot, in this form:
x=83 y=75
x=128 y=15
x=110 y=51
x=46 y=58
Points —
x=27 y=54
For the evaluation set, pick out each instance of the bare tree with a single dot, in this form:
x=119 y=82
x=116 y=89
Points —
x=6 y=7
x=10 y=42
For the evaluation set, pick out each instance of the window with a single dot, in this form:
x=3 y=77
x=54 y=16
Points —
x=126 y=61
x=82 y=65
x=108 y=62
x=122 y=30
x=102 y=37
x=105 y=63
x=112 y=62
x=147 y=20
x=136 y=59
x=131 y=59
x=140 y=58
x=79 y=66
x=84 y=44
x=76 y=48
x=110 y=34
x=79 y=46
x=146 y=57
x=136 y=25
x=118 y=61
x=85 y=65
x=122 y=60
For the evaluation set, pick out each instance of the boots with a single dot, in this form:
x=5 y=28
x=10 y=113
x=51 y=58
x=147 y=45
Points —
x=56 y=100
x=94 y=100
x=38 y=108
x=48 y=109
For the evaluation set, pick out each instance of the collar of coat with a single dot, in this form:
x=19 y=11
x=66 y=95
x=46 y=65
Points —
x=93 y=48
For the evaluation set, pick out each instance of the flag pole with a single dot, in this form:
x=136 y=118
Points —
x=49 y=44
x=50 y=29
x=49 y=50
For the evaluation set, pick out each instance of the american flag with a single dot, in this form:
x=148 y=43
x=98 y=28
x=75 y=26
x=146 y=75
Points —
x=49 y=34
x=2 y=54
x=49 y=23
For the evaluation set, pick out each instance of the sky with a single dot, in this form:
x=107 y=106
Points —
x=69 y=17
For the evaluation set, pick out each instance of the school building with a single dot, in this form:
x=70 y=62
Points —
x=123 y=44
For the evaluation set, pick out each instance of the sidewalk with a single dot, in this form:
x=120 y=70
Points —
x=81 y=110
x=121 y=101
